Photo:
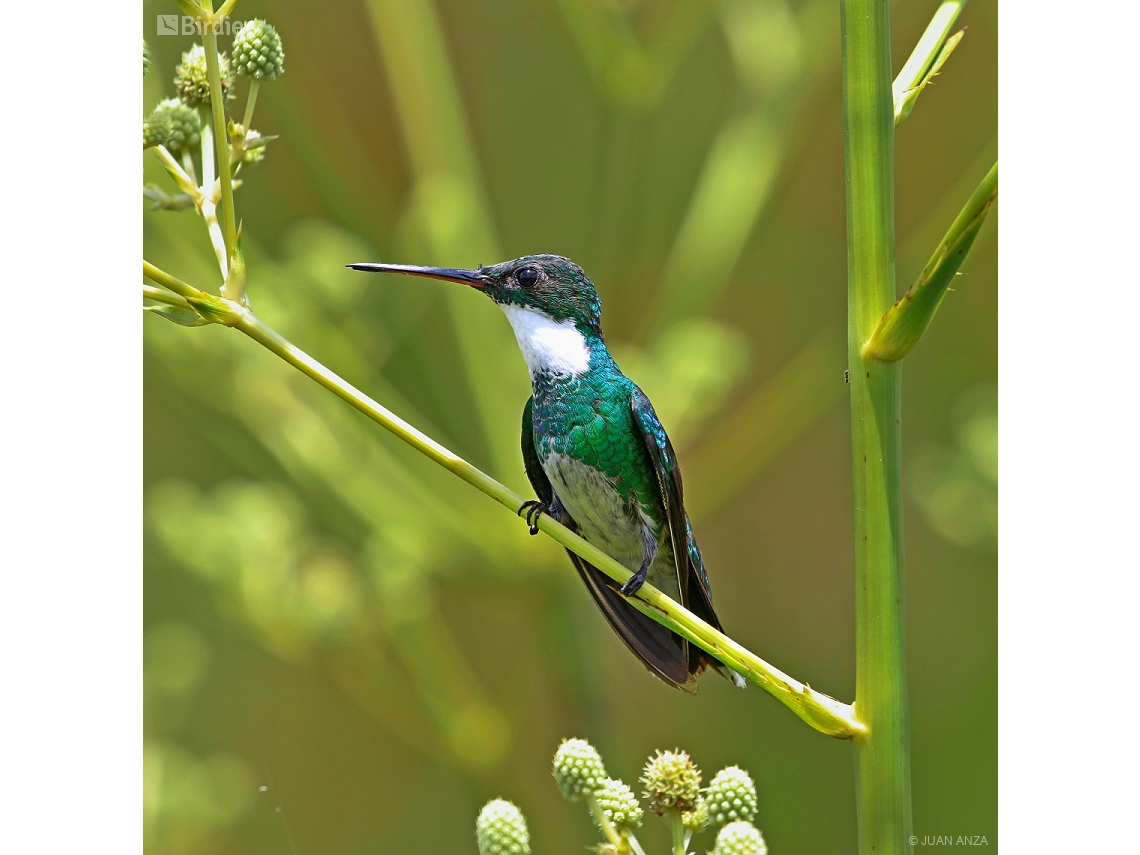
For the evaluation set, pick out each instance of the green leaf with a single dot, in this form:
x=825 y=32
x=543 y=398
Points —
x=180 y=316
x=928 y=56
x=906 y=99
x=904 y=323
x=234 y=288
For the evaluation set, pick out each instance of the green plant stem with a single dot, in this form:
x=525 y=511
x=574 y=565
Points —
x=188 y=165
x=603 y=821
x=905 y=323
x=161 y=296
x=221 y=140
x=928 y=56
x=882 y=752
x=171 y=283
x=184 y=180
x=822 y=712
x=634 y=843
x=206 y=201
x=250 y=102
x=207 y=147
x=677 y=826
x=209 y=211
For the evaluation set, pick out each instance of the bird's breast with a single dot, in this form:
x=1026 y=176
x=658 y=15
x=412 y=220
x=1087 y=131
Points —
x=604 y=517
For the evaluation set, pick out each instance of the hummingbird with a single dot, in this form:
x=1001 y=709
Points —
x=596 y=454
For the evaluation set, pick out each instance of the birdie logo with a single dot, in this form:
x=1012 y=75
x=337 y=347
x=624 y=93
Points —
x=174 y=25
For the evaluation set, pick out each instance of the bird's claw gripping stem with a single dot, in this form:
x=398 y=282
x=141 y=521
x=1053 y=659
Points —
x=634 y=584
x=534 y=509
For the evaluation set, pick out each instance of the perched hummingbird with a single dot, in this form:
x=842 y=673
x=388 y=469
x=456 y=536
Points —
x=596 y=454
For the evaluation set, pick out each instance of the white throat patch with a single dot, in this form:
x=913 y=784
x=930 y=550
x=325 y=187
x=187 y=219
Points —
x=547 y=345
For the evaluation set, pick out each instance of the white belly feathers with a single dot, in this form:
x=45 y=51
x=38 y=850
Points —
x=604 y=520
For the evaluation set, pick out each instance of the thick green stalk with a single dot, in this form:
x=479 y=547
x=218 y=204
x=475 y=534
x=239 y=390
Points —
x=822 y=712
x=882 y=753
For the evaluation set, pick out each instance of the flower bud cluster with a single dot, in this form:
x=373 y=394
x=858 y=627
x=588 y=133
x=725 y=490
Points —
x=192 y=80
x=177 y=122
x=578 y=769
x=501 y=830
x=257 y=51
x=185 y=125
x=740 y=838
x=672 y=782
x=156 y=129
x=619 y=805
x=731 y=796
x=697 y=819
x=672 y=785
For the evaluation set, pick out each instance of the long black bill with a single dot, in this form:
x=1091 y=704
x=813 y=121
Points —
x=474 y=278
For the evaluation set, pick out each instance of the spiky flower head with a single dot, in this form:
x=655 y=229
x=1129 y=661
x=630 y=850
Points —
x=501 y=830
x=146 y=58
x=156 y=129
x=619 y=804
x=698 y=818
x=731 y=795
x=672 y=782
x=578 y=768
x=257 y=51
x=191 y=79
x=740 y=838
x=185 y=125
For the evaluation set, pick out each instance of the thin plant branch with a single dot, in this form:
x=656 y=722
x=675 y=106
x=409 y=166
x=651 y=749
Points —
x=221 y=141
x=603 y=821
x=188 y=164
x=822 y=712
x=160 y=295
x=207 y=147
x=250 y=102
x=184 y=181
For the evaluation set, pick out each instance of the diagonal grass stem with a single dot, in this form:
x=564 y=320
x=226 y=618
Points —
x=824 y=713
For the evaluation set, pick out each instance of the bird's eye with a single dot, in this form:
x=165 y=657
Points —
x=527 y=276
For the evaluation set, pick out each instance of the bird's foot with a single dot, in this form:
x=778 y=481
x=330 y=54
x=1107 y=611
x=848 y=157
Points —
x=634 y=583
x=534 y=510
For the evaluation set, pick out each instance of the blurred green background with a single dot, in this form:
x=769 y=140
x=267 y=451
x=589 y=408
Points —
x=347 y=649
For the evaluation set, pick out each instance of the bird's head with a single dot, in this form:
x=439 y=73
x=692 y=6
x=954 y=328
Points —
x=549 y=285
